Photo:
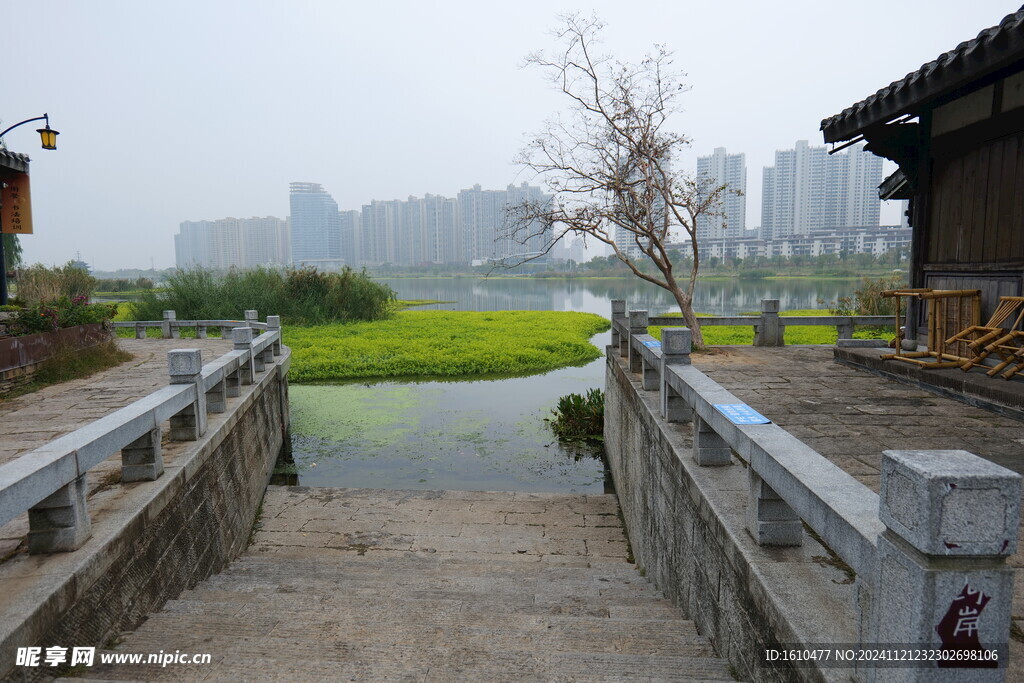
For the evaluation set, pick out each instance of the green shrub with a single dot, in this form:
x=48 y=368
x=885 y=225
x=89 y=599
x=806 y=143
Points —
x=302 y=296
x=63 y=312
x=579 y=419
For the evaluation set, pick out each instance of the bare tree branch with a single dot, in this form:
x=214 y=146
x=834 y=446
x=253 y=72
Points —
x=608 y=162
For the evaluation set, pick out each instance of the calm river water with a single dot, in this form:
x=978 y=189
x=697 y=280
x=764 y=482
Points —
x=489 y=434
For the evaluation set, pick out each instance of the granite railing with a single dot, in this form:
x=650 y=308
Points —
x=50 y=481
x=769 y=326
x=934 y=543
x=170 y=327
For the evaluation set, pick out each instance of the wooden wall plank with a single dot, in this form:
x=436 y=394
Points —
x=969 y=231
x=979 y=232
x=991 y=248
x=1014 y=216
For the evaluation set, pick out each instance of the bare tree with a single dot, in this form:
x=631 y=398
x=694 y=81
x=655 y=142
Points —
x=607 y=162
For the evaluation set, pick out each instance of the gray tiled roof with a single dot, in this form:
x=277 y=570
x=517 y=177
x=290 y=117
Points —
x=995 y=48
x=13 y=160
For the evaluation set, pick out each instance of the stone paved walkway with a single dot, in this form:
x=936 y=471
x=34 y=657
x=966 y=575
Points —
x=850 y=416
x=29 y=421
x=357 y=584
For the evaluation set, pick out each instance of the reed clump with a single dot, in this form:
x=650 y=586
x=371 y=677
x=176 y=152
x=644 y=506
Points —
x=302 y=296
x=38 y=283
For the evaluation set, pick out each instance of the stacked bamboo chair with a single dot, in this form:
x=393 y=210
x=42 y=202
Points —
x=996 y=336
x=949 y=312
x=956 y=338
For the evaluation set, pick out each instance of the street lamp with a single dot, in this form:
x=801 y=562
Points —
x=48 y=135
x=49 y=140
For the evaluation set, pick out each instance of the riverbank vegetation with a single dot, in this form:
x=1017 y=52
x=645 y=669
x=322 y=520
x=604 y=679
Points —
x=303 y=296
x=444 y=344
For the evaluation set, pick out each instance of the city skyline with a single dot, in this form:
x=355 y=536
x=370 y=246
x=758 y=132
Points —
x=388 y=101
x=819 y=193
x=471 y=228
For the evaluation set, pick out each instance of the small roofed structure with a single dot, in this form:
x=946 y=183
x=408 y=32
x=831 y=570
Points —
x=12 y=162
x=955 y=128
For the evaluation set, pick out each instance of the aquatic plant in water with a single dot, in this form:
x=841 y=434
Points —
x=579 y=419
x=444 y=344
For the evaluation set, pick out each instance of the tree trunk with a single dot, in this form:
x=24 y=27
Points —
x=686 y=308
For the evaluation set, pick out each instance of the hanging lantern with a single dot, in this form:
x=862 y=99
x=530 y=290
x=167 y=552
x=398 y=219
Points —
x=49 y=137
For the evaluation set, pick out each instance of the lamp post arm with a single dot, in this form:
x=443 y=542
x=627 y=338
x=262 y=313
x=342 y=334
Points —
x=45 y=117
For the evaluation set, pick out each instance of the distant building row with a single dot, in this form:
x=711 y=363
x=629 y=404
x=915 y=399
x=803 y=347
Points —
x=807 y=190
x=875 y=240
x=470 y=228
x=417 y=231
x=242 y=242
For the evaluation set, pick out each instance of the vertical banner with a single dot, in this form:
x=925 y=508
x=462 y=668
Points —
x=16 y=205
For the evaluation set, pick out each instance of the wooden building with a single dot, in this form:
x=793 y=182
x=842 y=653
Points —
x=955 y=128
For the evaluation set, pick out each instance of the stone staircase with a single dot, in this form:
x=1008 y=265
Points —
x=351 y=584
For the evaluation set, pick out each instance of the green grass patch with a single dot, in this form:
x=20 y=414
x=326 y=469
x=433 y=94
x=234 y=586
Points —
x=68 y=364
x=444 y=344
x=743 y=335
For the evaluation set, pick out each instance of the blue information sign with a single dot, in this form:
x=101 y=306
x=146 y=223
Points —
x=741 y=414
x=652 y=344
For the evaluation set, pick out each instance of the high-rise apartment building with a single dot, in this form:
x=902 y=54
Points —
x=315 y=225
x=487 y=228
x=379 y=224
x=730 y=170
x=350 y=224
x=231 y=242
x=809 y=190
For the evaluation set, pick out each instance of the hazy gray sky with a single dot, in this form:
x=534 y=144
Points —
x=203 y=110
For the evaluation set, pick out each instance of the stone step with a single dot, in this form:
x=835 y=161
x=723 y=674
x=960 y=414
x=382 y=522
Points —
x=452 y=613
x=401 y=663
x=411 y=564
x=284 y=580
x=457 y=592
x=229 y=603
x=253 y=635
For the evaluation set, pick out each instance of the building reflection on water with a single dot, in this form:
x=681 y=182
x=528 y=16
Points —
x=714 y=297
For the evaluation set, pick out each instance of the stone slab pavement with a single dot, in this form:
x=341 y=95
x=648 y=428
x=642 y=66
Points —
x=850 y=416
x=29 y=421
